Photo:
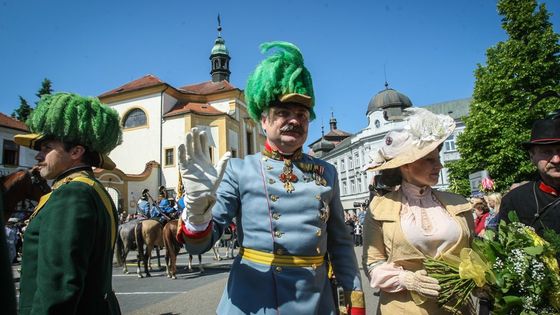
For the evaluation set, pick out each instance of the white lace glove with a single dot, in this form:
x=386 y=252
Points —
x=419 y=281
x=200 y=178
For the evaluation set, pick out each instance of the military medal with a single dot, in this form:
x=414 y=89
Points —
x=316 y=172
x=287 y=176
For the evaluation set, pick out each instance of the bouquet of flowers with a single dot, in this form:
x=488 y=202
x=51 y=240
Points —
x=515 y=268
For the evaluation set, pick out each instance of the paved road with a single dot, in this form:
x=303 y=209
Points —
x=190 y=293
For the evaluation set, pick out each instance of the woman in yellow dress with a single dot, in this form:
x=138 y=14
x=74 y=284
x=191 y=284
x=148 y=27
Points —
x=413 y=221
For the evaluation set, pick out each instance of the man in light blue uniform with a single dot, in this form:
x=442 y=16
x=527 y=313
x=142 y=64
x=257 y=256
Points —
x=286 y=204
x=144 y=205
x=163 y=211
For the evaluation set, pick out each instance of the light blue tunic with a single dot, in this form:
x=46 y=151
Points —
x=272 y=220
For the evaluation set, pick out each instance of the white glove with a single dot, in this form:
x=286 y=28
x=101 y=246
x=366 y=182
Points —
x=419 y=281
x=200 y=178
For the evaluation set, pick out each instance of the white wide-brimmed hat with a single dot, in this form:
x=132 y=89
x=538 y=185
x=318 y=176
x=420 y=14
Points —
x=424 y=132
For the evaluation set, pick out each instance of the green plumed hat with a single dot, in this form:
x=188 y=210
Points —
x=280 y=78
x=76 y=119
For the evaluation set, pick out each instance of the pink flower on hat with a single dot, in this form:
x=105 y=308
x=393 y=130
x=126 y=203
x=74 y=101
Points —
x=487 y=184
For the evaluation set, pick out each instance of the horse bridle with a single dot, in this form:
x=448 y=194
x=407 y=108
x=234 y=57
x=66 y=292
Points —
x=36 y=180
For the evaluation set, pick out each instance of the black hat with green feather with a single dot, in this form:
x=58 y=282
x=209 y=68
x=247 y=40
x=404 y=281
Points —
x=280 y=78
x=75 y=119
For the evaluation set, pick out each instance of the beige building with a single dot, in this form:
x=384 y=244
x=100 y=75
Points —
x=155 y=119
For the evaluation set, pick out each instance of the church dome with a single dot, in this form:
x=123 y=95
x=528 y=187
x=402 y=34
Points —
x=219 y=47
x=388 y=98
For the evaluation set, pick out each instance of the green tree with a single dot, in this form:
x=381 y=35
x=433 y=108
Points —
x=22 y=112
x=510 y=93
x=46 y=88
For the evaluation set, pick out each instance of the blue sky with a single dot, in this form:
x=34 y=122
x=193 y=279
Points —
x=428 y=49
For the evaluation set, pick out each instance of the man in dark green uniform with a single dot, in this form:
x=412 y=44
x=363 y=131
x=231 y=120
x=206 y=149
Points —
x=68 y=248
x=7 y=291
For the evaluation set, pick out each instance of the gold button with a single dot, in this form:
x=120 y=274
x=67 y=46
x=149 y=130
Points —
x=318 y=250
x=280 y=251
x=278 y=269
x=274 y=197
x=314 y=266
x=318 y=197
x=318 y=232
x=271 y=181
x=276 y=216
x=268 y=167
x=278 y=234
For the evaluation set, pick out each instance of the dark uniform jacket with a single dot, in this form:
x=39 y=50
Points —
x=533 y=206
x=7 y=290
x=68 y=249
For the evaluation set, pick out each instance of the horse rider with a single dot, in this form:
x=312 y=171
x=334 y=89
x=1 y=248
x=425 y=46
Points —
x=68 y=249
x=163 y=211
x=143 y=206
x=287 y=203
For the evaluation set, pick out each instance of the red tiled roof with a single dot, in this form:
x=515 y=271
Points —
x=337 y=133
x=9 y=122
x=144 y=82
x=208 y=87
x=199 y=108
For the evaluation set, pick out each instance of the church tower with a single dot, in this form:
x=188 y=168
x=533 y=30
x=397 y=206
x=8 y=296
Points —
x=220 y=58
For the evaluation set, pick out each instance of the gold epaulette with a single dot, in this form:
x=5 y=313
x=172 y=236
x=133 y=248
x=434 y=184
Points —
x=100 y=192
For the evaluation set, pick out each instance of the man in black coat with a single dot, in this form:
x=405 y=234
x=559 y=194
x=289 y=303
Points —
x=537 y=203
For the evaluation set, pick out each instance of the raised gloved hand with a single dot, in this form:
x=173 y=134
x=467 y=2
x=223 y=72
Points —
x=419 y=281
x=200 y=178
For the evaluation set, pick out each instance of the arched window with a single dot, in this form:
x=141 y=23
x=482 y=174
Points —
x=135 y=118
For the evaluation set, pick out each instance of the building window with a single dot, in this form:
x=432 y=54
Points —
x=350 y=163
x=357 y=160
x=10 y=153
x=359 y=184
x=342 y=166
x=344 y=188
x=377 y=123
x=135 y=118
x=169 y=157
x=249 y=143
x=352 y=186
x=335 y=165
x=449 y=144
x=233 y=153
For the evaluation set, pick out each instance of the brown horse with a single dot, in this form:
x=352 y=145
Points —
x=21 y=185
x=148 y=232
x=172 y=248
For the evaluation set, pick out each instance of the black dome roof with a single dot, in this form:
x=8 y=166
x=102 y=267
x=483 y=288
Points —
x=323 y=145
x=388 y=97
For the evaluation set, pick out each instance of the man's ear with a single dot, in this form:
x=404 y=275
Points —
x=531 y=154
x=77 y=152
x=263 y=121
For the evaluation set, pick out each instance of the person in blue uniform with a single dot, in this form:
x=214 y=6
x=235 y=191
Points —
x=164 y=210
x=143 y=206
x=286 y=203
